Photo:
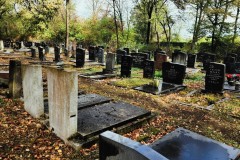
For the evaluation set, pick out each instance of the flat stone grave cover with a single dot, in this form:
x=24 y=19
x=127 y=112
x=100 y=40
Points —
x=229 y=87
x=183 y=144
x=99 y=118
x=87 y=100
x=98 y=75
x=165 y=88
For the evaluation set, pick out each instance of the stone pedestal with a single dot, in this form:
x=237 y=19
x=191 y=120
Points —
x=33 y=89
x=63 y=102
x=15 y=79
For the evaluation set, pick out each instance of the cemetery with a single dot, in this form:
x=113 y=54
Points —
x=90 y=89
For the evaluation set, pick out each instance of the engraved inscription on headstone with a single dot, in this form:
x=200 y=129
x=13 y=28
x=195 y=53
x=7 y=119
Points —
x=139 y=59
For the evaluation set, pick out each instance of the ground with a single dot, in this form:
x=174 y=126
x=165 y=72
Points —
x=23 y=137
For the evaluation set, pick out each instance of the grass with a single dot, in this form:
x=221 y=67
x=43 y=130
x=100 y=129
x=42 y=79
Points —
x=131 y=82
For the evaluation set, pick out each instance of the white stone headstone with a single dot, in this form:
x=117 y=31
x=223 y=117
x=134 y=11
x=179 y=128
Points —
x=33 y=89
x=63 y=102
x=1 y=45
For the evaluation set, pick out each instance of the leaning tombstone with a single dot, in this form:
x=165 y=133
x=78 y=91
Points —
x=100 y=55
x=207 y=58
x=15 y=79
x=191 y=60
x=159 y=59
x=33 y=89
x=215 y=77
x=110 y=62
x=33 y=52
x=80 y=57
x=179 y=57
x=120 y=53
x=126 y=66
x=63 y=106
x=57 y=54
x=149 y=69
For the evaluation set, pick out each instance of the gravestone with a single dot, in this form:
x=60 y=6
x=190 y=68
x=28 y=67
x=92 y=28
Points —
x=179 y=57
x=191 y=60
x=149 y=53
x=139 y=59
x=15 y=79
x=80 y=57
x=63 y=102
x=126 y=66
x=157 y=51
x=200 y=56
x=92 y=53
x=66 y=52
x=110 y=62
x=207 y=58
x=46 y=49
x=33 y=52
x=33 y=90
x=215 y=77
x=57 y=54
x=120 y=53
x=37 y=44
x=1 y=45
x=173 y=73
x=159 y=59
x=7 y=43
x=149 y=69
x=100 y=55
x=40 y=53
x=233 y=68
x=127 y=50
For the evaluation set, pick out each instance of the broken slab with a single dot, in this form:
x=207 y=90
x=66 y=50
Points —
x=116 y=147
x=99 y=118
x=63 y=101
x=33 y=90
x=183 y=144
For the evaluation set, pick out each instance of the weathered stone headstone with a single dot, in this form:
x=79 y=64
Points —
x=207 y=58
x=191 y=60
x=41 y=55
x=215 y=77
x=173 y=73
x=179 y=57
x=120 y=53
x=80 y=57
x=110 y=62
x=126 y=66
x=63 y=102
x=100 y=55
x=1 y=45
x=139 y=59
x=57 y=54
x=127 y=50
x=33 y=90
x=159 y=59
x=15 y=79
x=33 y=52
x=92 y=53
x=46 y=49
x=149 y=69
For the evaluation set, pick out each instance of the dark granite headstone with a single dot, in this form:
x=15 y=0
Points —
x=200 y=56
x=191 y=60
x=33 y=52
x=92 y=53
x=127 y=50
x=207 y=58
x=15 y=79
x=159 y=59
x=100 y=55
x=57 y=54
x=173 y=73
x=37 y=44
x=179 y=57
x=215 y=77
x=229 y=59
x=7 y=43
x=120 y=53
x=40 y=53
x=149 y=69
x=139 y=59
x=233 y=68
x=126 y=66
x=80 y=57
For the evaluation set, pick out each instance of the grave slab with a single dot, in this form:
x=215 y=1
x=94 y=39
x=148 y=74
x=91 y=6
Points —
x=183 y=144
x=98 y=76
x=99 y=118
x=229 y=87
x=88 y=100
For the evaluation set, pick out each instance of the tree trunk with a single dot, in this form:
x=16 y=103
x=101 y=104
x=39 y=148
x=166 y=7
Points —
x=67 y=24
x=116 y=25
x=235 y=26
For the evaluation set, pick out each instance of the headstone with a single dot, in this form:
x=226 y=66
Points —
x=33 y=90
x=149 y=53
x=41 y=55
x=233 y=68
x=149 y=69
x=116 y=147
x=1 y=45
x=33 y=52
x=80 y=57
x=173 y=73
x=139 y=59
x=110 y=62
x=207 y=58
x=215 y=77
x=159 y=59
x=57 y=54
x=7 y=43
x=92 y=53
x=100 y=55
x=200 y=56
x=191 y=60
x=46 y=49
x=15 y=79
x=66 y=52
x=127 y=50
x=22 y=45
x=120 y=53
x=179 y=57
x=158 y=51
x=63 y=102
x=126 y=66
